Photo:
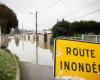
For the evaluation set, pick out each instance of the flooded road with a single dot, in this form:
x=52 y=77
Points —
x=26 y=51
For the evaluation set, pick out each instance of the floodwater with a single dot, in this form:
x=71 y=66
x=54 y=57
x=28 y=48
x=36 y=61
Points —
x=26 y=51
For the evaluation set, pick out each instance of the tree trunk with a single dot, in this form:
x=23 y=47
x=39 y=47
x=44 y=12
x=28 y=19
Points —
x=0 y=36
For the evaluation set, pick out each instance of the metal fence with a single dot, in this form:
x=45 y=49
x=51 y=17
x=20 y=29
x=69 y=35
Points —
x=87 y=38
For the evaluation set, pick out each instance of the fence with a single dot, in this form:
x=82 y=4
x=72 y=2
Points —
x=87 y=38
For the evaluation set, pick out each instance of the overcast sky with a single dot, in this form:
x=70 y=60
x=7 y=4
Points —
x=49 y=11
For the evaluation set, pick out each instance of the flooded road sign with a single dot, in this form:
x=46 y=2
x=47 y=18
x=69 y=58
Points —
x=77 y=59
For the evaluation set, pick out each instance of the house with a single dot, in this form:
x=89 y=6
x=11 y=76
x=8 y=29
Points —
x=44 y=39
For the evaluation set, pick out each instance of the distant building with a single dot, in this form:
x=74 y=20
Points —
x=44 y=38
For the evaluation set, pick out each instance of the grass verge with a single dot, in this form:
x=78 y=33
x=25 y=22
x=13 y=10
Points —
x=7 y=65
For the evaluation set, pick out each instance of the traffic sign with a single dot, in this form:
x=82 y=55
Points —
x=77 y=59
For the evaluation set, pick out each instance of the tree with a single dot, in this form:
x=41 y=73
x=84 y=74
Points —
x=65 y=28
x=8 y=19
x=61 y=29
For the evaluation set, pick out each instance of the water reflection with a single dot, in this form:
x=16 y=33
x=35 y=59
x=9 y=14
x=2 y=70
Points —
x=43 y=45
x=26 y=50
x=17 y=40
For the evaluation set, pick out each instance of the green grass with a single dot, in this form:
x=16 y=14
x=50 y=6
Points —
x=7 y=65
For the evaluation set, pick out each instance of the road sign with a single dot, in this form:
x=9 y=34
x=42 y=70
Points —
x=77 y=59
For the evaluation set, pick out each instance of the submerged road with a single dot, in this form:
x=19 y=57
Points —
x=31 y=71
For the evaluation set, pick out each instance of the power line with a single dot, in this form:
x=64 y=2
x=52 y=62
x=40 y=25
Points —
x=74 y=12
x=89 y=13
x=90 y=5
x=51 y=6
x=80 y=10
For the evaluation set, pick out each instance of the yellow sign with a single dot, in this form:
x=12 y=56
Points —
x=77 y=59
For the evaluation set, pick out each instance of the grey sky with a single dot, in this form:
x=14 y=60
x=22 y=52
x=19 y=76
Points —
x=51 y=10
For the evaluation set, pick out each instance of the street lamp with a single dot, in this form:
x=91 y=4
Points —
x=36 y=39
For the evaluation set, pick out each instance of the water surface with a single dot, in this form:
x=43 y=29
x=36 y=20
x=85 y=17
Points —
x=26 y=51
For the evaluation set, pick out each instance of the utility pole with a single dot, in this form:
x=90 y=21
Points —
x=36 y=37
x=22 y=37
x=57 y=20
x=36 y=40
x=22 y=31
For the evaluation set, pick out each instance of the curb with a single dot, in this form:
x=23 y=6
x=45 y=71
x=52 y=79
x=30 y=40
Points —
x=17 y=69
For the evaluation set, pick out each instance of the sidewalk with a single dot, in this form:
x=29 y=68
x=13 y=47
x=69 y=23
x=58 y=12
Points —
x=31 y=71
